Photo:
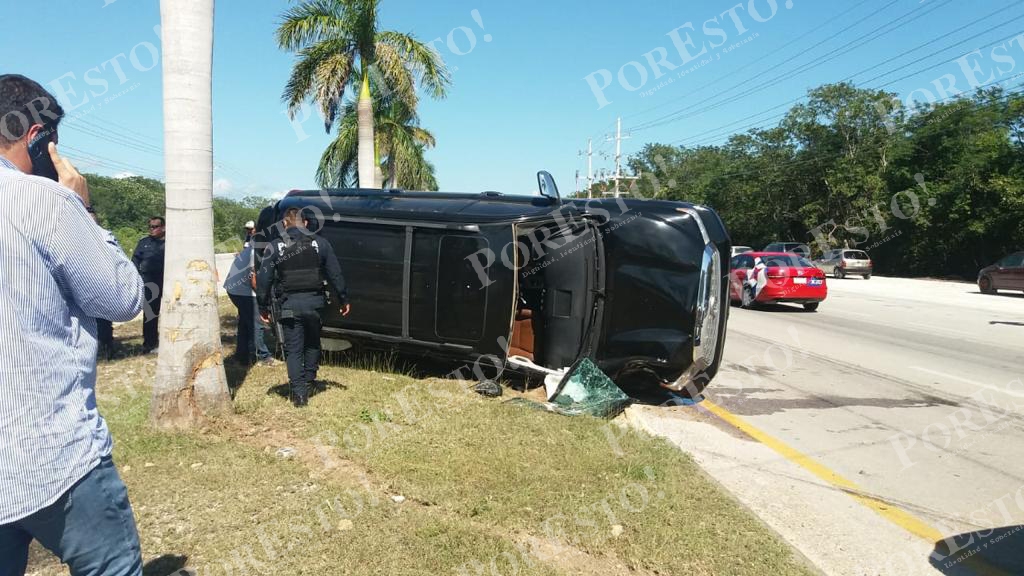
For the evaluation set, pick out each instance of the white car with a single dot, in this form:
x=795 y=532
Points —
x=740 y=250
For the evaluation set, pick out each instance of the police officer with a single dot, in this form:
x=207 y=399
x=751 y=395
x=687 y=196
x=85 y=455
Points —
x=149 y=260
x=293 y=271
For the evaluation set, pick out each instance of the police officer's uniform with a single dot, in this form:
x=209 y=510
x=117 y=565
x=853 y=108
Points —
x=293 y=271
x=149 y=260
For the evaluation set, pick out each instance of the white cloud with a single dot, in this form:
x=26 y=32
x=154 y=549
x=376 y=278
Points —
x=223 y=186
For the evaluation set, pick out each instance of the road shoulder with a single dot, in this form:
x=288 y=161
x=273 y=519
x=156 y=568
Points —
x=835 y=532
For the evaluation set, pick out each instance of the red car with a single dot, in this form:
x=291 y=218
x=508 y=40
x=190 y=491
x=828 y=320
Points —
x=769 y=277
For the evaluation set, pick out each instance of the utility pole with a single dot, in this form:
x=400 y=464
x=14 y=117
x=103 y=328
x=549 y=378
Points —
x=618 y=155
x=590 y=168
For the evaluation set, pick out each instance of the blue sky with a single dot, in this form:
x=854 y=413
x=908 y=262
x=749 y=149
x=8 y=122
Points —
x=520 y=101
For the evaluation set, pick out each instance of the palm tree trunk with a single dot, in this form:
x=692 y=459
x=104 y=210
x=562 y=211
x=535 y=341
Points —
x=367 y=153
x=190 y=381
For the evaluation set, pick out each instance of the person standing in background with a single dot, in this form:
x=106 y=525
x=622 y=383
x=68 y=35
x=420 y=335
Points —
x=263 y=355
x=149 y=261
x=239 y=286
x=104 y=327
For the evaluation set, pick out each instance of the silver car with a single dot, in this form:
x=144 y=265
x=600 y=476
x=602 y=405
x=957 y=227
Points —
x=843 y=261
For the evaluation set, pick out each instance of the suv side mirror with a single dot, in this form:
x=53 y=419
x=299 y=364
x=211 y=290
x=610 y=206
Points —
x=547 y=186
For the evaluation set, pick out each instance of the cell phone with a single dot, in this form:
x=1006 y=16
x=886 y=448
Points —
x=39 y=153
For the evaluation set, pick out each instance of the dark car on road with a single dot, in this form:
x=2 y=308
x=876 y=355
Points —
x=1007 y=274
x=638 y=286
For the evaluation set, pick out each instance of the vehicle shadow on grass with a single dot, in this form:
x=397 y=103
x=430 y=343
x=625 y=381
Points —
x=992 y=551
x=236 y=373
x=319 y=387
x=166 y=565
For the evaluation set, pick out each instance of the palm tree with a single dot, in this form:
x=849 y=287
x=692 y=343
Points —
x=339 y=48
x=400 y=141
x=190 y=380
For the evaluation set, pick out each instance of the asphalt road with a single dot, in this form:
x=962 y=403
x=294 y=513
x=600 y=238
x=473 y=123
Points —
x=907 y=393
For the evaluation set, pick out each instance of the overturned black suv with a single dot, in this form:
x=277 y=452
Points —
x=638 y=286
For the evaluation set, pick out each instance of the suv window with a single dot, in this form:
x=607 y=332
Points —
x=1013 y=261
x=856 y=255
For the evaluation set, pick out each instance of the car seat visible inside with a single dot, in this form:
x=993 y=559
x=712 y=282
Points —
x=523 y=340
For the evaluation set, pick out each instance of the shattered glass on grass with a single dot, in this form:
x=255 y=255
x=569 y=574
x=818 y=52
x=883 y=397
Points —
x=585 y=391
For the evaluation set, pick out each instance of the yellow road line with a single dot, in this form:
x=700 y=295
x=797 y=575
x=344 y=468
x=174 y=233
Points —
x=897 y=516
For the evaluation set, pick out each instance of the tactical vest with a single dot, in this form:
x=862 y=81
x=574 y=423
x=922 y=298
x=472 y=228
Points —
x=298 y=266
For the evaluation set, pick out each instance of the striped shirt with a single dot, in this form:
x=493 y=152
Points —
x=58 y=271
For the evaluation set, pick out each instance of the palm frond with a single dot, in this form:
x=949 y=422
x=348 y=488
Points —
x=333 y=76
x=323 y=72
x=424 y=62
x=391 y=76
x=300 y=83
x=313 y=21
x=338 y=163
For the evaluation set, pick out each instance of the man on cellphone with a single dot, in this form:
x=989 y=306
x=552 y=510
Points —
x=58 y=484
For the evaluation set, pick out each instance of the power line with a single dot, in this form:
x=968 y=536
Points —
x=114 y=164
x=111 y=138
x=850 y=77
x=835 y=53
x=124 y=133
x=708 y=141
x=138 y=144
x=1004 y=39
x=812 y=30
x=977 y=105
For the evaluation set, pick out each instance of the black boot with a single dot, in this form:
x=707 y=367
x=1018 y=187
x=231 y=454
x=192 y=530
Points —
x=300 y=395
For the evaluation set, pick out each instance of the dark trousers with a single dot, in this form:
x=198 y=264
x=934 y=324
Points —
x=151 y=323
x=104 y=333
x=302 y=348
x=246 y=338
x=90 y=528
x=262 y=353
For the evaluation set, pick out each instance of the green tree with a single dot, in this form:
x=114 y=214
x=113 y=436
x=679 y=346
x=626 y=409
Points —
x=937 y=190
x=341 y=48
x=125 y=205
x=400 y=140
